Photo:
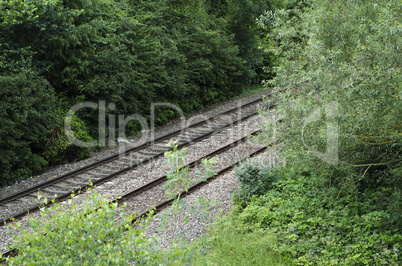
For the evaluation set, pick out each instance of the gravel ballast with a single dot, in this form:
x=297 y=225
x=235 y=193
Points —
x=219 y=190
x=151 y=170
x=135 y=141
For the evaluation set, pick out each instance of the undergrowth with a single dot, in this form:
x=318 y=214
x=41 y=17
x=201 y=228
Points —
x=229 y=244
x=307 y=223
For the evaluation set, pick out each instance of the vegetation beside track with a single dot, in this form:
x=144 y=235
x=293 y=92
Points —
x=55 y=54
x=101 y=232
x=336 y=198
x=90 y=235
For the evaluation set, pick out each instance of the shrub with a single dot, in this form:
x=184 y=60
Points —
x=336 y=200
x=254 y=180
x=66 y=235
x=308 y=227
x=58 y=147
x=97 y=232
x=27 y=115
x=130 y=53
x=342 y=72
x=32 y=130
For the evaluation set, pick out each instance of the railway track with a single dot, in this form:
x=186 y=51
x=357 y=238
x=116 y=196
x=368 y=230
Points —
x=133 y=197
x=20 y=204
x=156 y=186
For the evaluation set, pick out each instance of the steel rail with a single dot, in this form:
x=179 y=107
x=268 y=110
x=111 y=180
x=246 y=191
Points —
x=197 y=185
x=160 y=180
x=97 y=181
x=192 y=164
x=193 y=188
x=115 y=156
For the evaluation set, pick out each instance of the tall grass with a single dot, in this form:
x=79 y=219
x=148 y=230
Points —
x=229 y=246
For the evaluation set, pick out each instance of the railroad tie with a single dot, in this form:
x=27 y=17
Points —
x=55 y=192
x=199 y=131
x=97 y=175
x=123 y=163
x=68 y=188
x=28 y=200
x=149 y=153
x=159 y=148
x=78 y=184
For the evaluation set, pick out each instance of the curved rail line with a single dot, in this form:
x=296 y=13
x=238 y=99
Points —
x=93 y=174
x=192 y=164
x=162 y=179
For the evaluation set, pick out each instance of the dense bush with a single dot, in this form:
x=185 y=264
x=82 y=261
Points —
x=342 y=102
x=94 y=233
x=27 y=114
x=67 y=236
x=32 y=113
x=59 y=148
x=254 y=180
x=308 y=227
x=337 y=199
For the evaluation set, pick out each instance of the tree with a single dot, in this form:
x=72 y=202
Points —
x=341 y=69
x=27 y=114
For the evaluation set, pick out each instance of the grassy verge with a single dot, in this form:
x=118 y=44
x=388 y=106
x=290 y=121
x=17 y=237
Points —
x=231 y=246
x=299 y=221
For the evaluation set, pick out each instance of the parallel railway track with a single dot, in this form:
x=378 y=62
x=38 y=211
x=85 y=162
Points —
x=158 y=182
x=62 y=187
x=151 y=150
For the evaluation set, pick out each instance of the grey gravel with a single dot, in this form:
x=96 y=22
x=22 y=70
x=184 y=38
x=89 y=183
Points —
x=156 y=195
x=219 y=190
x=146 y=172
x=163 y=130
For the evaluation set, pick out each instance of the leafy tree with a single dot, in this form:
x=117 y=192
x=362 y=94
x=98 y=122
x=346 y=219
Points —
x=27 y=113
x=37 y=25
x=200 y=60
x=337 y=199
x=29 y=106
x=241 y=16
x=341 y=70
x=129 y=53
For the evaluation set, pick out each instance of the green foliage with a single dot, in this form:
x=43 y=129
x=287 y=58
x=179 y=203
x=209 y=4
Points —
x=37 y=26
x=27 y=115
x=225 y=248
x=337 y=199
x=200 y=61
x=250 y=90
x=68 y=236
x=31 y=112
x=346 y=65
x=96 y=233
x=282 y=32
x=58 y=147
x=254 y=180
x=130 y=53
x=309 y=227
x=241 y=21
